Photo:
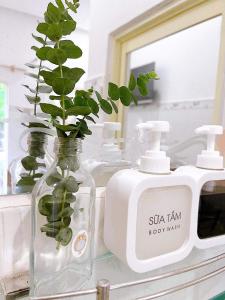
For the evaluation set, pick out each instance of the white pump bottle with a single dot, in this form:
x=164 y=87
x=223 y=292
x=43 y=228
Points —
x=105 y=161
x=209 y=176
x=110 y=159
x=148 y=211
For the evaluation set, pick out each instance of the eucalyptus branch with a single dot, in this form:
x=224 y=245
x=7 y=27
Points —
x=36 y=150
x=66 y=100
x=38 y=81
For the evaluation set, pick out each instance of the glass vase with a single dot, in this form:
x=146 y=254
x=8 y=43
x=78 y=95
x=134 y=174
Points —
x=62 y=224
x=26 y=170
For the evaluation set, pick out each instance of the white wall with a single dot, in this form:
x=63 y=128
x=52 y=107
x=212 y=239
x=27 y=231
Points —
x=106 y=17
x=15 y=42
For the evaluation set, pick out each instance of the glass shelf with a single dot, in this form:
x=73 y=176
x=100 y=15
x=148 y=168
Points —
x=110 y=268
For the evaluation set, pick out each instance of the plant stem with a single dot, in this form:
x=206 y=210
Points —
x=63 y=100
x=63 y=205
x=37 y=86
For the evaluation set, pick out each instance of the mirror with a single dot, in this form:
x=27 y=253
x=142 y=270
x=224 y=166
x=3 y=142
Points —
x=187 y=64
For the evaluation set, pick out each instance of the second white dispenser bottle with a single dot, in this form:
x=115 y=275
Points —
x=209 y=175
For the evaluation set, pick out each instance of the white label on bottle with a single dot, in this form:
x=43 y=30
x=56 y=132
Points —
x=163 y=221
x=79 y=244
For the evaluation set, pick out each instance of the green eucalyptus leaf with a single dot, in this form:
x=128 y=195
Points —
x=80 y=101
x=66 y=221
x=63 y=161
x=64 y=236
x=66 y=103
x=71 y=50
x=56 y=56
x=42 y=205
x=54 y=97
x=54 y=225
x=54 y=178
x=71 y=6
x=134 y=98
x=99 y=97
x=51 y=230
x=70 y=198
x=76 y=74
x=93 y=105
x=142 y=86
x=70 y=73
x=39 y=39
x=54 y=205
x=71 y=184
x=114 y=106
x=90 y=119
x=35 y=48
x=59 y=190
x=52 y=217
x=132 y=82
x=66 y=212
x=26 y=184
x=113 y=91
x=54 y=32
x=51 y=109
x=152 y=75
x=125 y=95
x=48 y=77
x=37 y=175
x=42 y=53
x=60 y=4
x=42 y=28
x=53 y=14
x=68 y=27
x=29 y=163
x=63 y=86
x=37 y=124
x=66 y=128
x=78 y=110
x=105 y=106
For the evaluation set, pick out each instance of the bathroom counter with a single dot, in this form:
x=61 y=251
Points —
x=117 y=273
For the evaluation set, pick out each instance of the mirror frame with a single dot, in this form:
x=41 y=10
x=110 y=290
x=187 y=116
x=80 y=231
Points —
x=163 y=20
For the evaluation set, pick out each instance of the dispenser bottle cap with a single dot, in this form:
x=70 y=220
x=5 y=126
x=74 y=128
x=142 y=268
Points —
x=154 y=160
x=210 y=158
x=110 y=149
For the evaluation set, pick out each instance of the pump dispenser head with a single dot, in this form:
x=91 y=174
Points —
x=154 y=160
x=210 y=158
x=110 y=149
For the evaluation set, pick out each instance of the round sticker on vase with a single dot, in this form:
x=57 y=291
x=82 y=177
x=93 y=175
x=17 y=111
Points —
x=79 y=244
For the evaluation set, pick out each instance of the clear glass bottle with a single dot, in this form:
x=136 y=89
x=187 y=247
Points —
x=26 y=170
x=62 y=224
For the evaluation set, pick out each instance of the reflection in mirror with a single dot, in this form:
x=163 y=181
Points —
x=186 y=63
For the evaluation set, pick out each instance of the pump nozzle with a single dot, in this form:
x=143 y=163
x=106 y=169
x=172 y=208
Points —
x=110 y=150
x=154 y=160
x=210 y=158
